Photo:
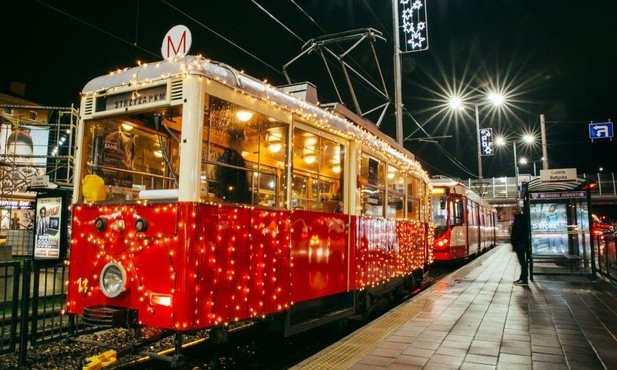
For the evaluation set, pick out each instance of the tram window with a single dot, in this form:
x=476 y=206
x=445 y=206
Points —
x=372 y=186
x=132 y=152
x=317 y=172
x=396 y=192
x=244 y=155
x=413 y=199
x=473 y=214
x=425 y=196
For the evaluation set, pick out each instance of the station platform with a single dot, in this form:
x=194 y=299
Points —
x=476 y=318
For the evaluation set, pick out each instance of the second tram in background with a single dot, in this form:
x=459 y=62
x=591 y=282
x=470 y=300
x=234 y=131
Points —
x=465 y=224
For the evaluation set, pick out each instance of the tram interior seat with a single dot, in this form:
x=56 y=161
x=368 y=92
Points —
x=159 y=194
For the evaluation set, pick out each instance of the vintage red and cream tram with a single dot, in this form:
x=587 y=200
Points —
x=204 y=197
x=465 y=225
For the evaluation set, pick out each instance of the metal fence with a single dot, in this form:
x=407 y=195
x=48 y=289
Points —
x=607 y=256
x=506 y=188
x=32 y=300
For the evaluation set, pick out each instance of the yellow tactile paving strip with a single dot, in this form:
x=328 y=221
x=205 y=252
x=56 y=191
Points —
x=349 y=350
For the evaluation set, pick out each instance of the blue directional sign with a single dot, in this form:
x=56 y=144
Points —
x=603 y=130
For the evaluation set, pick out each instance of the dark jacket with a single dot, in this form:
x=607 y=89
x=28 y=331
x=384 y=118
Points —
x=519 y=236
x=233 y=185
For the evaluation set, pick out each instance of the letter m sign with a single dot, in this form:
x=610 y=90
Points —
x=176 y=42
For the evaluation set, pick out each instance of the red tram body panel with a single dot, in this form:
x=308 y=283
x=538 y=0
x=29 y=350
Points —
x=201 y=265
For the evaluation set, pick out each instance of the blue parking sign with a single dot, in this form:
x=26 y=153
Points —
x=603 y=130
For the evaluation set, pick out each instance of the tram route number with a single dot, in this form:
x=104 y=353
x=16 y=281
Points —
x=82 y=285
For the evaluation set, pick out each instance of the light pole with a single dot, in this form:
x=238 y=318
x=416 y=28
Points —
x=533 y=162
x=515 y=163
x=525 y=139
x=494 y=99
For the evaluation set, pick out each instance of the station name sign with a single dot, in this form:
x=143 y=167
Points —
x=138 y=98
x=558 y=174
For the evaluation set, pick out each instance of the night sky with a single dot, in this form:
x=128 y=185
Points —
x=552 y=57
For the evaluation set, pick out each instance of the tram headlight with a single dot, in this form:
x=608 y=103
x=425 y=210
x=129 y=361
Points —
x=113 y=280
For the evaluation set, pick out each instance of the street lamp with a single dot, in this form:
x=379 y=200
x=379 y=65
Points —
x=524 y=160
x=492 y=98
x=526 y=139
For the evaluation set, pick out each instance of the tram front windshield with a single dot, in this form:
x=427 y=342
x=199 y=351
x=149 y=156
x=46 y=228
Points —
x=447 y=210
x=132 y=152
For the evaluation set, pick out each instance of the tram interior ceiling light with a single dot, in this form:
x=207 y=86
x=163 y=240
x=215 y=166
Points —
x=275 y=143
x=244 y=115
x=309 y=154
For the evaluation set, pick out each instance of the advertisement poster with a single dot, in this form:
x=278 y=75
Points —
x=549 y=230
x=47 y=228
x=118 y=153
x=23 y=153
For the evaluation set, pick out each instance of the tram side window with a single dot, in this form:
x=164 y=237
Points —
x=244 y=155
x=473 y=214
x=425 y=196
x=130 y=153
x=396 y=192
x=372 y=185
x=317 y=177
x=413 y=198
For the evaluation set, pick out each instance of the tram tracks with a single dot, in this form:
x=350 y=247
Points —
x=251 y=346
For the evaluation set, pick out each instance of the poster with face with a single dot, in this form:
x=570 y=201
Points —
x=23 y=154
x=118 y=153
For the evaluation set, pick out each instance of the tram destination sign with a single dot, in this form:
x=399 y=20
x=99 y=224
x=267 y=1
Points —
x=152 y=96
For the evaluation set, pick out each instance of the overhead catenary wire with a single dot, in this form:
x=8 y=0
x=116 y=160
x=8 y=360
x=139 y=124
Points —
x=99 y=29
x=235 y=45
x=221 y=36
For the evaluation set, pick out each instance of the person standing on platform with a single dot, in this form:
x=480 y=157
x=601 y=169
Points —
x=519 y=238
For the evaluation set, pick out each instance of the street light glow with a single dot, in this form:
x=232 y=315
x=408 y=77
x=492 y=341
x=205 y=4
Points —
x=496 y=99
x=455 y=102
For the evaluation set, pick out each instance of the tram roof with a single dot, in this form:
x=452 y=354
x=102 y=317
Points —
x=198 y=65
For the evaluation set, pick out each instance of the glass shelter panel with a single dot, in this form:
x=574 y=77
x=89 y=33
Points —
x=560 y=234
x=549 y=231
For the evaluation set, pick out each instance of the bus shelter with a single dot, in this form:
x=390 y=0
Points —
x=560 y=227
